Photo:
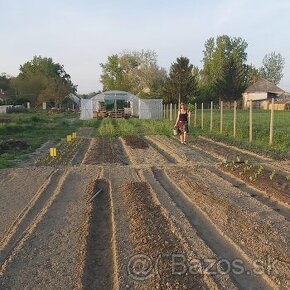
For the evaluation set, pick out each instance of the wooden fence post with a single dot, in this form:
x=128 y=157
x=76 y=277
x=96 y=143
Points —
x=163 y=107
x=201 y=115
x=170 y=112
x=195 y=114
x=251 y=122
x=211 y=116
x=175 y=112
x=221 y=117
x=272 y=123
x=235 y=119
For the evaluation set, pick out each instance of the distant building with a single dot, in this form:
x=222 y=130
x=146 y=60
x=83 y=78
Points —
x=261 y=94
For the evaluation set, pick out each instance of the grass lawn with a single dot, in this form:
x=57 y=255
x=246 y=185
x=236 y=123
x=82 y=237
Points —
x=35 y=128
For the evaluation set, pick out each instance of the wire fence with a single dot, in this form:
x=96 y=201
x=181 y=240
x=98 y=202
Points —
x=269 y=127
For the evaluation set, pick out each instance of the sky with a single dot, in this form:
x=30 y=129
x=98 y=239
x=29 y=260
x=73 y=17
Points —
x=81 y=34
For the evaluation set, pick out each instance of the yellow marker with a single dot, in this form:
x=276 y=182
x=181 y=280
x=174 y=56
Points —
x=74 y=135
x=68 y=138
x=52 y=152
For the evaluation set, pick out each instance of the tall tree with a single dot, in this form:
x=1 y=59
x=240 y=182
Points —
x=232 y=81
x=216 y=54
x=182 y=81
x=38 y=76
x=272 y=69
x=136 y=72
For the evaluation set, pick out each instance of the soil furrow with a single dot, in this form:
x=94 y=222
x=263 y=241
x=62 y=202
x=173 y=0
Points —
x=47 y=256
x=216 y=241
x=96 y=253
x=196 y=248
x=25 y=219
x=153 y=238
x=258 y=231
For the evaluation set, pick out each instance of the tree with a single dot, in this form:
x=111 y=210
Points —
x=216 y=54
x=232 y=81
x=40 y=79
x=182 y=81
x=272 y=69
x=136 y=72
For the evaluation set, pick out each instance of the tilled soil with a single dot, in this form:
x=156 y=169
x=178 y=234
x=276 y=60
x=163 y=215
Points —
x=96 y=256
x=159 y=199
x=274 y=184
x=152 y=237
x=140 y=154
x=105 y=150
x=225 y=152
x=65 y=153
x=262 y=234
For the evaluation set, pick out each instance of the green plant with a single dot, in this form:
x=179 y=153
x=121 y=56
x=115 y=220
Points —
x=272 y=174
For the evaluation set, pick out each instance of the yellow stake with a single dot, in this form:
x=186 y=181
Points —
x=68 y=138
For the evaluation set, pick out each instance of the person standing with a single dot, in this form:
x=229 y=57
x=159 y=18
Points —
x=182 y=120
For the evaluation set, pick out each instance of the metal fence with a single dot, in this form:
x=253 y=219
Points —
x=260 y=126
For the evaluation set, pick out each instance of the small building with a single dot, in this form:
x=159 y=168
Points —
x=261 y=94
x=119 y=104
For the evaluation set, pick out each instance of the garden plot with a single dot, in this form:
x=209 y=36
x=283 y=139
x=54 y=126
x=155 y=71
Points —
x=225 y=152
x=180 y=152
x=141 y=153
x=105 y=150
x=274 y=184
x=258 y=231
x=17 y=189
x=47 y=254
x=158 y=198
x=66 y=153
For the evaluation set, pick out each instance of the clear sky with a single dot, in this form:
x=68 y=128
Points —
x=80 y=34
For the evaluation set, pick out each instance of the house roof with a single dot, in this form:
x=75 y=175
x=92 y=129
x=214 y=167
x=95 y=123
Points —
x=264 y=86
x=283 y=99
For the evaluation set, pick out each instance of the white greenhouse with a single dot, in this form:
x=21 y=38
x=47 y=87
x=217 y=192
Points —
x=120 y=104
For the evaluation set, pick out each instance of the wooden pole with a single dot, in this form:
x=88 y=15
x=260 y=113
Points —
x=272 y=123
x=251 y=122
x=175 y=111
x=195 y=114
x=170 y=112
x=201 y=115
x=235 y=119
x=221 y=117
x=211 y=116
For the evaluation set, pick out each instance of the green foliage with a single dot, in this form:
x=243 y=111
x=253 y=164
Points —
x=135 y=72
x=232 y=82
x=182 y=81
x=272 y=69
x=42 y=80
x=216 y=57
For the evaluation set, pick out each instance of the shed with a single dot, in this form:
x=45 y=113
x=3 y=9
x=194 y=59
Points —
x=261 y=93
x=120 y=99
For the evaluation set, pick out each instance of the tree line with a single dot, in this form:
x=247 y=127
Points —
x=39 y=80
x=224 y=75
